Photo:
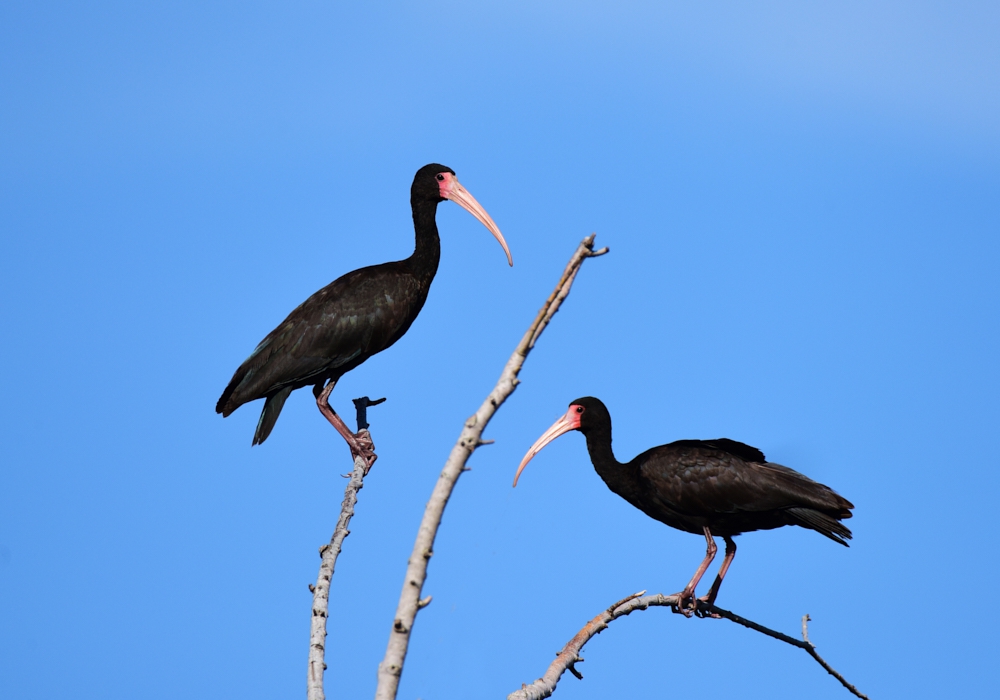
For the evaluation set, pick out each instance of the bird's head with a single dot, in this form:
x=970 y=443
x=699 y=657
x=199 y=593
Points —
x=584 y=414
x=435 y=183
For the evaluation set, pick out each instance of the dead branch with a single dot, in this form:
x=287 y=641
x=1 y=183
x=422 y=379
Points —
x=567 y=659
x=391 y=668
x=328 y=560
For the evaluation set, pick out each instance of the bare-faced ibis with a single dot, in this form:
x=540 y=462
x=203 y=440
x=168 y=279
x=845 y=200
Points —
x=707 y=487
x=351 y=319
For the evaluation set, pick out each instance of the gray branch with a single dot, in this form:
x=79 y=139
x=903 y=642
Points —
x=328 y=560
x=391 y=668
x=567 y=659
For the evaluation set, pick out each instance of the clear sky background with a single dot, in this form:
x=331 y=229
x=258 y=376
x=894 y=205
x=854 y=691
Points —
x=802 y=205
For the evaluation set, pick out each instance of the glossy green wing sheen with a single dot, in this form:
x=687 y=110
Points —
x=330 y=333
x=700 y=479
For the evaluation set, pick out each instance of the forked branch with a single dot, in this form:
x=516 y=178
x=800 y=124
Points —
x=391 y=668
x=567 y=659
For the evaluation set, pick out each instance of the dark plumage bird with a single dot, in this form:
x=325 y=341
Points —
x=710 y=487
x=350 y=319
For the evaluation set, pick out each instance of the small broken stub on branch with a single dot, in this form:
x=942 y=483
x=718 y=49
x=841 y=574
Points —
x=361 y=405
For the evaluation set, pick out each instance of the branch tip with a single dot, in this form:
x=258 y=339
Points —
x=471 y=437
x=588 y=243
x=361 y=406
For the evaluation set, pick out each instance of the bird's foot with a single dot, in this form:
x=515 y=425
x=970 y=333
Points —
x=699 y=611
x=362 y=446
x=686 y=604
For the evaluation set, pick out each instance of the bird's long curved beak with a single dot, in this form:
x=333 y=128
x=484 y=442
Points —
x=571 y=421
x=463 y=198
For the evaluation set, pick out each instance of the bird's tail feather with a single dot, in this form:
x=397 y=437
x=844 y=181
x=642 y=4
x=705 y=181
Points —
x=269 y=415
x=821 y=523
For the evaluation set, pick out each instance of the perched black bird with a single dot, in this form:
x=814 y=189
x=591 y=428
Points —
x=350 y=319
x=711 y=487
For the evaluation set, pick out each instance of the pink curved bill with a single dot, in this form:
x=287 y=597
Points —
x=568 y=422
x=463 y=198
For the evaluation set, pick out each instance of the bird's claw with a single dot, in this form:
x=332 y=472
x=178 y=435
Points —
x=363 y=446
x=700 y=612
x=686 y=604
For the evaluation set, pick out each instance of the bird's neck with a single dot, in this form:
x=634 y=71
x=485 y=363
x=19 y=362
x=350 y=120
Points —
x=620 y=478
x=427 y=252
x=601 y=454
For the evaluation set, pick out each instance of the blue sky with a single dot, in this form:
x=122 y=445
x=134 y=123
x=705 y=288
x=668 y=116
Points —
x=802 y=205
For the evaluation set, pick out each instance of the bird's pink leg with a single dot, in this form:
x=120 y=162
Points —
x=360 y=443
x=686 y=603
x=714 y=590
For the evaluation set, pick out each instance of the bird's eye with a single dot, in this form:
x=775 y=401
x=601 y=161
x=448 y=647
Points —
x=440 y=177
x=579 y=409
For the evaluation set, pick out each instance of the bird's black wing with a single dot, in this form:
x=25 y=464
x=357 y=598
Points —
x=732 y=447
x=331 y=332
x=696 y=477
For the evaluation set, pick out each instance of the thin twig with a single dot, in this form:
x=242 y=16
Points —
x=570 y=654
x=829 y=669
x=328 y=555
x=391 y=668
x=804 y=644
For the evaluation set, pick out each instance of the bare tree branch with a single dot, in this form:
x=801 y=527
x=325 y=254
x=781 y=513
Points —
x=391 y=668
x=829 y=669
x=328 y=555
x=567 y=659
